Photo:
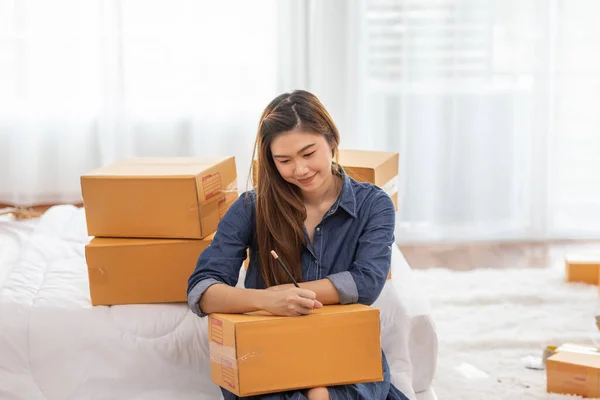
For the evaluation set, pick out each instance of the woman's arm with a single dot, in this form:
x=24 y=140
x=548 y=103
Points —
x=220 y=262
x=364 y=280
x=211 y=285
x=288 y=302
x=324 y=290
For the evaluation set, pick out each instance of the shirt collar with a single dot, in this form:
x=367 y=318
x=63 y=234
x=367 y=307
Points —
x=346 y=199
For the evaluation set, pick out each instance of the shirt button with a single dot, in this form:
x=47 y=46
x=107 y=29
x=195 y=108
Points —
x=318 y=229
x=316 y=262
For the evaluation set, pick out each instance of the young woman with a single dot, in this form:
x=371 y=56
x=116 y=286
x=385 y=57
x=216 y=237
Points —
x=333 y=233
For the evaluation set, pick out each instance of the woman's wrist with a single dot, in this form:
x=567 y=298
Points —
x=260 y=299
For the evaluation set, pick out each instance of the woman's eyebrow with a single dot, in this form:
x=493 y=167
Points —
x=299 y=151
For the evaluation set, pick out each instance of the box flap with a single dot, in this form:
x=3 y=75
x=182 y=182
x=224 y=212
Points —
x=155 y=167
x=577 y=348
x=105 y=242
x=583 y=359
x=263 y=315
x=593 y=259
x=363 y=158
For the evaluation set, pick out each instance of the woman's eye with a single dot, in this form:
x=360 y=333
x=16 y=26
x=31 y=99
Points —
x=284 y=161
x=309 y=154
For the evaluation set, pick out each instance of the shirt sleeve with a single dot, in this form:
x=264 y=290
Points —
x=364 y=280
x=221 y=261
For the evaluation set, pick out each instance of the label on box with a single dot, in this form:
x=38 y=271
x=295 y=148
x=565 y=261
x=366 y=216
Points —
x=211 y=185
x=216 y=331
x=227 y=373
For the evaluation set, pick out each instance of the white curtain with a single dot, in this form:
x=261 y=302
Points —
x=83 y=83
x=493 y=105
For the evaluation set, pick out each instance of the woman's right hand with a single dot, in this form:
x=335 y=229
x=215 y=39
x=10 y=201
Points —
x=290 y=302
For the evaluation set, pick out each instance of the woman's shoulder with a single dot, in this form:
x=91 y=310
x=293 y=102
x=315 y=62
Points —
x=245 y=204
x=370 y=197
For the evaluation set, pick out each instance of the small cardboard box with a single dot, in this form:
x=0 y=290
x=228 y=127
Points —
x=182 y=198
x=377 y=167
x=259 y=353
x=574 y=370
x=582 y=269
x=135 y=271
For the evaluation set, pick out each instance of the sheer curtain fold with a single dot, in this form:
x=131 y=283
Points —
x=491 y=104
x=85 y=83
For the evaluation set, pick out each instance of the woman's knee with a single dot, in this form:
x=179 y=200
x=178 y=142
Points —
x=320 y=393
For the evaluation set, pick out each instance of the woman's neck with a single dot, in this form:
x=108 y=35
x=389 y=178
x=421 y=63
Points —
x=326 y=194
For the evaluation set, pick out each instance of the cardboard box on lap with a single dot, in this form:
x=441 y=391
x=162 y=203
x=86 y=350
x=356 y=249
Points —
x=183 y=198
x=259 y=353
x=133 y=271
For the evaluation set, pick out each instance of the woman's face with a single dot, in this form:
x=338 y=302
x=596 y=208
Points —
x=303 y=159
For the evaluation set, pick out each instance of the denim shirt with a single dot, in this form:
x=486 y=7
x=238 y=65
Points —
x=351 y=246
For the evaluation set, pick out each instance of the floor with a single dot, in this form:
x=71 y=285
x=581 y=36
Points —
x=467 y=256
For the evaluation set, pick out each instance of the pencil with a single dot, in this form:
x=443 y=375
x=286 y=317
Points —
x=287 y=271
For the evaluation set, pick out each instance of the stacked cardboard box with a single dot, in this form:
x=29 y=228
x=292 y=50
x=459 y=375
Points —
x=151 y=218
x=377 y=167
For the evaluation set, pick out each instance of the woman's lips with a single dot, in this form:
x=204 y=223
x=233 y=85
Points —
x=307 y=180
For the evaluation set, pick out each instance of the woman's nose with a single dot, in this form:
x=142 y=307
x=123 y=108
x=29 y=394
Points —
x=301 y=168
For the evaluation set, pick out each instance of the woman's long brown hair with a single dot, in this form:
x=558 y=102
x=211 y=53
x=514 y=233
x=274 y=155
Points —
x=280 y=211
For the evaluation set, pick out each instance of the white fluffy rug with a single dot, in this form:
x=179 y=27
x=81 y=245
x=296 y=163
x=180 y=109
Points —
x=488 y=320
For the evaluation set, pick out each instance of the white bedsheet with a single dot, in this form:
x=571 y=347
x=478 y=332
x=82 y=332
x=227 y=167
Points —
x=55 y=345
